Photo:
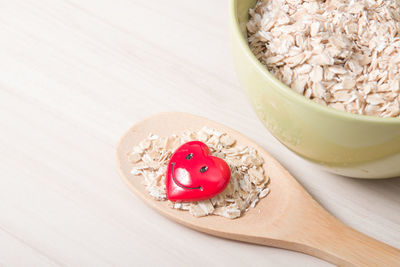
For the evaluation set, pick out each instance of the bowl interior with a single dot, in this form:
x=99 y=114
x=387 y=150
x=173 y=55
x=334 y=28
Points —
x=239 y=10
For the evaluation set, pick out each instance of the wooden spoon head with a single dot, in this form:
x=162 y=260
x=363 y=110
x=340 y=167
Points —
x=264 y=218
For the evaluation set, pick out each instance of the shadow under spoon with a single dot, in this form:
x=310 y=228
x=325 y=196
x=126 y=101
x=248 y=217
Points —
x=287 y=218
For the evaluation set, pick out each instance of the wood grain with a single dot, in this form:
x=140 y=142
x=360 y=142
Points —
x=74 y=75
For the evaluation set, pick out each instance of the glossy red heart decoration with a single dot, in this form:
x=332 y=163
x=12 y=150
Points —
x=194 y=175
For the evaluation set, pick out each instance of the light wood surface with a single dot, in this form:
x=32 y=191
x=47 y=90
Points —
x=74 y=76
x=288 y=218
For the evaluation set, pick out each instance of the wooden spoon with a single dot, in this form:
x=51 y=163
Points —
x=287 y=218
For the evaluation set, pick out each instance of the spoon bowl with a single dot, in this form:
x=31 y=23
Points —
x=287 y=218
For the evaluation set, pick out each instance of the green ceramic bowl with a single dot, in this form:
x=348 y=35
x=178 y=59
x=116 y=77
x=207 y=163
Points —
x=343 y=143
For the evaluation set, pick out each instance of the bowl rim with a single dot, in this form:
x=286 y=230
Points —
x=288 y=92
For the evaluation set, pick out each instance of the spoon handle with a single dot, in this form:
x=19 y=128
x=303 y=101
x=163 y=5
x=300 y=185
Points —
x=320 y=234
x=345 y=246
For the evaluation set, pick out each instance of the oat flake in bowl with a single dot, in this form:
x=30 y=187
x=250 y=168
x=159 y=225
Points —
x=344 y=54
x=248 y=183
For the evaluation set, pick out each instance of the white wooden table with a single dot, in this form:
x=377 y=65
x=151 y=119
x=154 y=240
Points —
x=76 y=74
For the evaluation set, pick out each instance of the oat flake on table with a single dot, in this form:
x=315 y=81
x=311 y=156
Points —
x=248 y=183
x=341 y=53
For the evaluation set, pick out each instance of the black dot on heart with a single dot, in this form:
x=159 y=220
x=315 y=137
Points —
x=203 y=169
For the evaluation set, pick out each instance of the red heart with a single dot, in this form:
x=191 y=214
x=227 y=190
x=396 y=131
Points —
x=194 y=175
